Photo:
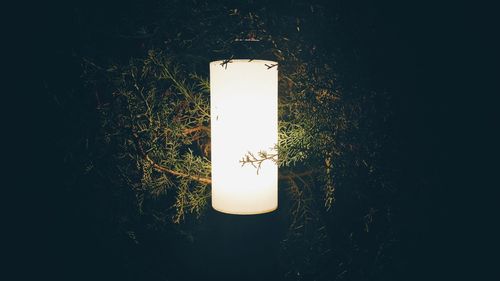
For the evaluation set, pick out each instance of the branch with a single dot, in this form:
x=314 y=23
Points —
x=209 y=181
x=295 y=175
x=167 y=170
x=200 y=178
x=196 y=129
x=179 y=174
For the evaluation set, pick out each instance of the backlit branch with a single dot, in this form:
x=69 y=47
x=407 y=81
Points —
x=256 y=161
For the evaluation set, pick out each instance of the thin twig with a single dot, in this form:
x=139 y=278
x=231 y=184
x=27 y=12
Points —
x=225 y=62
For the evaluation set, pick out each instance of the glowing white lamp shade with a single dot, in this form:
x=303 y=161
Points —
x=244 y=118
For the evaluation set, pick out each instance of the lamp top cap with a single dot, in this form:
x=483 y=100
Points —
x=221 y=62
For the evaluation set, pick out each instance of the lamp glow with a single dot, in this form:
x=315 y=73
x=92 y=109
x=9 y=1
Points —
x=244 y=118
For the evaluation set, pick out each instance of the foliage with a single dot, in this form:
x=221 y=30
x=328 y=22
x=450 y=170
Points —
x=159 y=122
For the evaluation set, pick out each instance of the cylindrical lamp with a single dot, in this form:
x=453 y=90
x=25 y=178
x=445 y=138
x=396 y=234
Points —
x=244 y=118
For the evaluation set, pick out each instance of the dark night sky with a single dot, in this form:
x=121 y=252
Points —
x=58 y=239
